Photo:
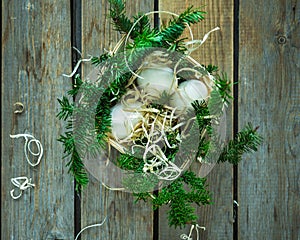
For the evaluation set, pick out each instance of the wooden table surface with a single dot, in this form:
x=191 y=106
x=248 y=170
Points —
x=258 y=46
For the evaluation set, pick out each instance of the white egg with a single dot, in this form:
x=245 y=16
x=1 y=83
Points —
x=122 y=121
x=188 y=91
x=157 y=80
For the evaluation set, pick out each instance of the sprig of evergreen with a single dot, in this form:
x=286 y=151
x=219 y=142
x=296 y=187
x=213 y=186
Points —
x=97 y=60
x=223 y=85
x=202 y=112
x=131 y=163
x=211 y=68
x=143 y=23
x=76 y=86
x=176 y=26
x=116 y=84
x=75 y=164
x=117 y=13
x=123 y=24
x=247 y=140
x=180 y=195
x=66 y=108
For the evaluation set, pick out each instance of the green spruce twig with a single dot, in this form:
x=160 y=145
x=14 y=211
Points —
x=180 y=195
x=245 y=141
x=75 y=164
x=176 y=26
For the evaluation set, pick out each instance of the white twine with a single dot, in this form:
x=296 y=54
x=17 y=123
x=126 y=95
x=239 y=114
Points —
x=22 y=187
x=188 y=237
x=27 y=147
x=90 y=226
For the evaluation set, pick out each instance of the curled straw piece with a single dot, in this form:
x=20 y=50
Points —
x=19 y=107
x=153 y=127
x=90 y=226
x=188 y=237
x=27 y=147
x=16 y=182
x=78 y=64
x=200 y=42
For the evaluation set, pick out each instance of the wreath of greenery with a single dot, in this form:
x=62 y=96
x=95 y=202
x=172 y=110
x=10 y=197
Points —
x=187 y=188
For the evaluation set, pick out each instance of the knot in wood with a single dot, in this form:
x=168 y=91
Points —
x=281 y=39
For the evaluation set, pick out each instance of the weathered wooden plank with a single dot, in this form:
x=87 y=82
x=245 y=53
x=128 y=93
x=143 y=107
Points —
x=217 y=50
x=35 y=53
x=125 y=219
x=269 y=95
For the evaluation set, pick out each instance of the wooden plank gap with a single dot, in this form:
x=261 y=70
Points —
x=156 y=212
x=235 y=111
x=76 y=30
x=156 y=15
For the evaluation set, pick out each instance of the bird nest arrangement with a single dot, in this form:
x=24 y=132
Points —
x=149 y=119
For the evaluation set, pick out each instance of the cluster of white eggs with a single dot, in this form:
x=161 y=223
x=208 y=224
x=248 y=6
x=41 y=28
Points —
x=155 y=81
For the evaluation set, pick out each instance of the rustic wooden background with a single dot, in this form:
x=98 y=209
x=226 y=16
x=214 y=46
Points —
x=258 y=45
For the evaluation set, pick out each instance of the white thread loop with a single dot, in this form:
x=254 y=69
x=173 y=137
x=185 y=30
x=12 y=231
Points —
x=189 y=237
x=22 y=186
x=90 y=226
x=29 y=140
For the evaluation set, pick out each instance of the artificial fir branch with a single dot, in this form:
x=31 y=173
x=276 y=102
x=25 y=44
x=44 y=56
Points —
x=146 y=39
x=123 y=24
x=116 y=79
x=204 y=124
x=201 y=111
